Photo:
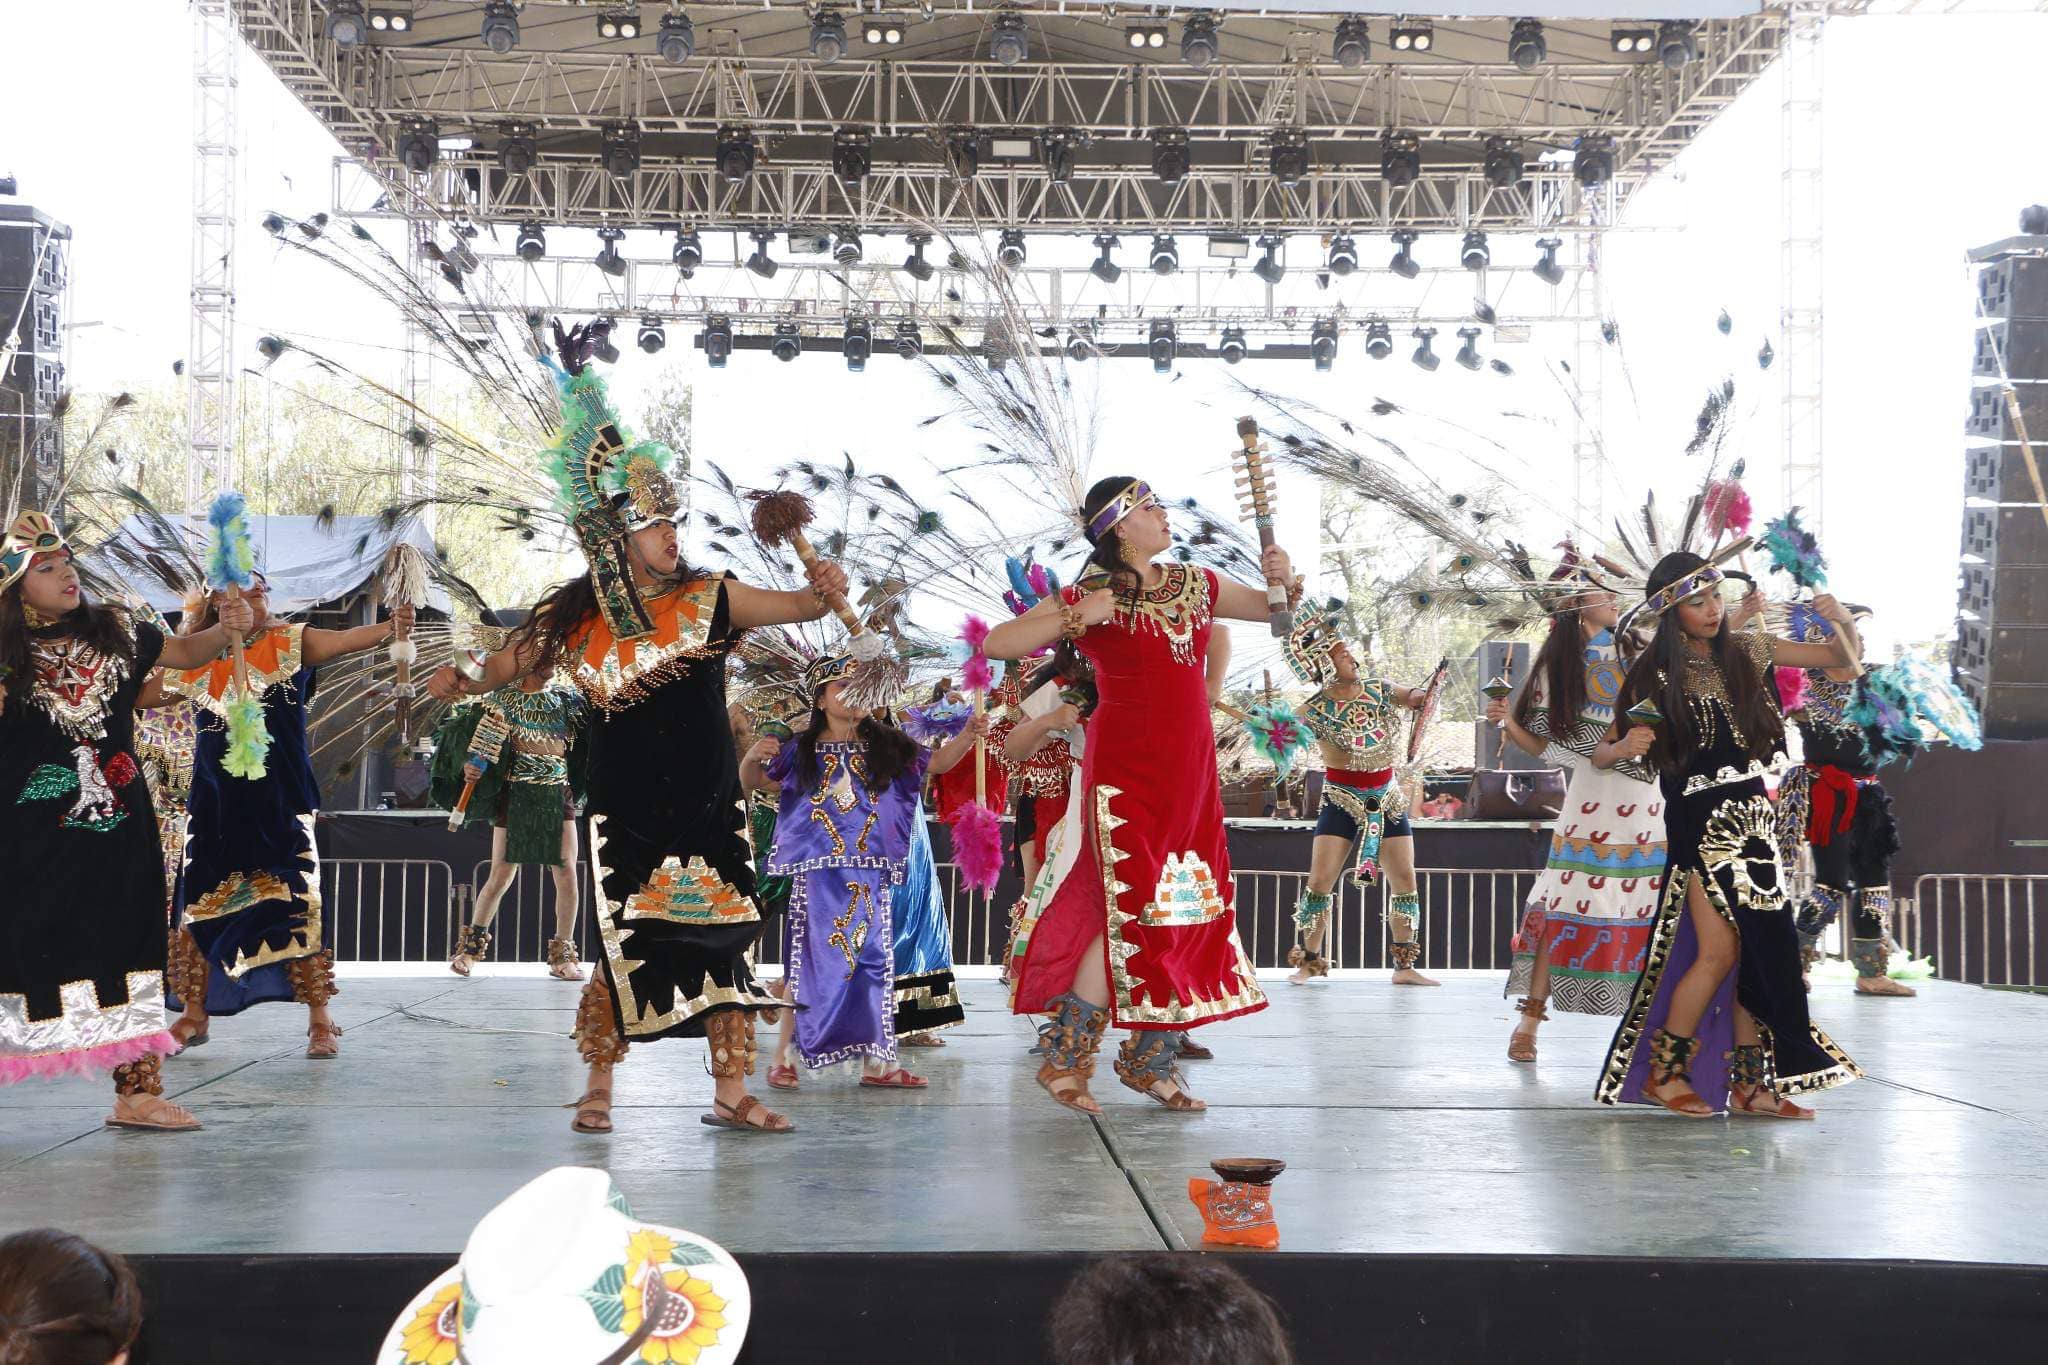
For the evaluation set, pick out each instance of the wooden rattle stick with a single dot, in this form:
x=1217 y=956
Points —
x=240 y=665
x=488 y=744
x=461 y=804
x=835 y=600
x=1253 y=486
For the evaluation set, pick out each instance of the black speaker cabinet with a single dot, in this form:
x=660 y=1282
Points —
x=2004 y=671
x=1991 y=420
x=2023 y=344
x=2013 y=534
x=2006 y=594
x=2016 y=287
x=1998 y=473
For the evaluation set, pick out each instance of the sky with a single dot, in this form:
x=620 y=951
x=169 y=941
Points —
x=1920 y=165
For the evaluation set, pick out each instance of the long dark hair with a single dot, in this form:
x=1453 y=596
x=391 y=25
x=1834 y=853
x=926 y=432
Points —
x=1751 y=700
x=563 y=610
x=63 y=1301
x=1561 y=664
x=1152 y=1310
x=104 y=628
x=1106 y=555
x=890 y=751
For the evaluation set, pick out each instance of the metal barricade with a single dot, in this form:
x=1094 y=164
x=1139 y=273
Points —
x=1986 y=929
x=389 y=909
x=525 y=918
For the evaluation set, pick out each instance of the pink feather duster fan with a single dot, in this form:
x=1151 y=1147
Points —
x=977 y=828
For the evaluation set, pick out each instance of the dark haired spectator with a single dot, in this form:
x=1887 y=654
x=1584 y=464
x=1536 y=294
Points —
x=1185 y=1309
x=63 y=1301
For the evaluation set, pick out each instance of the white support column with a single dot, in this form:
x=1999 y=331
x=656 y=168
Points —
x=209 y=359
x=1799 y=352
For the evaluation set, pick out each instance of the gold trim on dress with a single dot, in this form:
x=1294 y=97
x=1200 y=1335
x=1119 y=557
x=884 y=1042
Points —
x=1734 y=832
x=81 y=1022
x=689 y=893
x=1186 y=893
x=272 y=658
x=614 y=674
x=307 y=938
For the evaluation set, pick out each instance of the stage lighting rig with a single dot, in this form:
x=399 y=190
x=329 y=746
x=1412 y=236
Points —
x=388 y=20
x=1475 y=255
x=1468 y=354
x=1081 y=343
x=608 y=258
x=675 y=42
x=1008 y=42
x=852 y=155
x=653 y=335
x=419 y=145
x=1010 y=249
x=963 y=154
x=1269 y=267
x=917 y=267
x=520 y=149
x=1593 y=160
x=346 y=24
x=1676 y=46
x=1403 y=263
x=1170 y=154
x=1546 y=268
x=1056 y=151
x=688 y=252
x=717 y=341
x=1632 y=41
x=618 y=24
x=846 y=249
x=1352 y=45
x=1503 y=165
x=500 y=28
x=607 y=350
x=1322 y=343
x=1400 y=159
x=1424 y=357
x=1343 y=258
x=1165 y=255
x=1232 y=347
x=909 y=341
x=532 y=244
x=858 y=343
x=788 y=343
x=1142 y=36
x=1287 y=158
x=735 y=154
x=1198 y=40
x=1161 y=344
x=1526 y=47
x=882 y=33
x=1379 y=339
x=621 y=150
x=1412 y=35
x=1103 y=267
x=828 y=36
x=761 y=263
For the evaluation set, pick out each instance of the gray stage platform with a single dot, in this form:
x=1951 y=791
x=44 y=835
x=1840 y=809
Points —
x=1404 y=1127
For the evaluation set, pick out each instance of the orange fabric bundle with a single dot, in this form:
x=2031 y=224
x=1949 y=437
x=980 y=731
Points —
x=1235 y=1213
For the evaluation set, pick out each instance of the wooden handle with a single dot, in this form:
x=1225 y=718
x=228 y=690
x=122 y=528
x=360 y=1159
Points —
x=461 y=804
x=836 y=600
x=241 y=665
x=1252 y=483
x=980 y=754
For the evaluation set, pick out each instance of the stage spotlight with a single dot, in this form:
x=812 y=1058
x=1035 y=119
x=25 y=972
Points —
x=735 y=154
x=1632 y=41
x=1379 y=339
x=653 y=335
x=1403 y=263
x=621 y=151
x=274 y=224
x=1526 y=47
x=390 y=21
x=608 y=258
x=1593 y=160
x=1010 y=248
x=606 y=350
x=1081 y=344
x=717 y=339
x=1400 y=159
x=828 y=36
x=963 y=155
x=1468 y=354
x=618 y=23
x=532 y=244
x=1008 y=43
x=1056 y=153
x=1269 y=267
x=1343 y=254
x=1675 y=44
x=761 y=263
x=346 y=26
x=909 y=341
x=1424 y=357
x=1288 y=157
x=858 y=343
x=1170 y=154
x=688 y=252
x=500 y=28
x=852 y=155
x=1475 y=255
x=520 y=149
x=846 y=250
x=882 y=33
x=419 y=145
x=1232 y=347
x=675 y=42
x=1352 y=47
x=270 y=348
x=1322 y=343
x=1142 y=36
x=1165 y=255
x=1161 y=344
x=917 y=267
x=1105 y=269
x=788 y=343
x=1546 y=268
x=1198 y=40
x=1412 y=35
x=1503 y=164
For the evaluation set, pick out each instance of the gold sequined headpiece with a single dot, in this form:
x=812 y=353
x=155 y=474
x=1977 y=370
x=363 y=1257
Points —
x=1135 y=495
x=32 y=534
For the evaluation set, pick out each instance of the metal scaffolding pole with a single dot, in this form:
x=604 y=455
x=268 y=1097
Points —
x=1799 y=359
x=209 y=360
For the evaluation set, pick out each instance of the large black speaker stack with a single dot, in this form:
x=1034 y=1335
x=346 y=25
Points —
x=33 y=274
x=2001 y=653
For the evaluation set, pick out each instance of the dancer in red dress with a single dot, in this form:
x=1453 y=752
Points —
x=1139 y=932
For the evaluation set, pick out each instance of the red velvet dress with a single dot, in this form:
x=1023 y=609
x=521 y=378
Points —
x=1152 y=875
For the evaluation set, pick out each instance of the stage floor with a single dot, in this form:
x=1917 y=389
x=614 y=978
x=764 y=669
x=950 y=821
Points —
x=1404 y=1127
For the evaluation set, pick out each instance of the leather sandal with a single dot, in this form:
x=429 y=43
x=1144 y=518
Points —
x=153 y=1114
x=723 y=1115
x=782 y=1077
x=323 y=1044
x=1671 y=1063
x=895 y=1079
x=1178 y=1100
x=1522 y=1042
x=1192 y=1051
x=1742 y=1100
x=593 y=1110
x=189 y=1034
x=924 y=1039
x=1078 y=1099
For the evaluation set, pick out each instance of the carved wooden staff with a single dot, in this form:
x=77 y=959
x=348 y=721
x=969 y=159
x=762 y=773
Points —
x=779 y=519
x=405 y=585
x=488 y=744
x=1255 y=497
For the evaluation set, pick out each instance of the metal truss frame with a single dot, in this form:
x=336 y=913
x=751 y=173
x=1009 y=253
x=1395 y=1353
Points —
x=210 y=360
x=1800 y=259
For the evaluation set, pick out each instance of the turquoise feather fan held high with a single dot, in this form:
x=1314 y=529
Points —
x=231 y=568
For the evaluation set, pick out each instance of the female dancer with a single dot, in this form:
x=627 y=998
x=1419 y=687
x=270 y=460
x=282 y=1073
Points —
x=927 y=996
x=529 y=795
x=1141 y=933
x=249 y=891
x=1587 y=921
x=82 y=942
x=1720 y=984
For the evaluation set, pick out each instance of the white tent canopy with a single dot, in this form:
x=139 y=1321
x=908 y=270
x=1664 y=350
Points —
x=308 y=563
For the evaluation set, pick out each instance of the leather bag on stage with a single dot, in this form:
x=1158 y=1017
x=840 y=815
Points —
x=1515 y=794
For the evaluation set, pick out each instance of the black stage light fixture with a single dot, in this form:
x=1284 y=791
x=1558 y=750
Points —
x=1503 y=165
x=1198 y=40
x=1269 y=267
x=1343 y=254
x=1676 y=47
x=735 y=154
x=608 y=258
x=688 y=252
x=909 y=341
x=1379 y=339
x=607 y=350
x=653 y=335
x=788 y=343
x=1403 y=263
x=346 y=24
x=1232 y=347
x=963 y=154
x=917 y=267
x=858 y=343
x=761 y=263
x=1468 y=354
x=621 y=151
x=675 y=42
x=1632 y=41
x=1288 y=157
x=1424 y=357
x=520 y=149
x=1010 y=248
x=273 y=223
x=1593 y=160
x=1008 y=43
x=1400 y=159
x=828 y=36
x=390 y=21
x=1229 y=247
x=1546 y=268
x=846 y=248
x=532 y=244
x=1412 y=35
x=1322 y=343
x=1161 y=343
x=419 y=145
x=1105 y=269
x=1526 y=47
x=717 y=340
x=1170 y=154
x=618 y=24
x=1475 y=255
x=500 y=28
x=1352 y=46
x=1142 y=36
x=1056 y=153
x=882 y=33
x=1081 y=344
x=852 y=155
x=1165 y=255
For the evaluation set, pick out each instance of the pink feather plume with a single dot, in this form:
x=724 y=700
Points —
x=1727 y=508
x=1040 y=584
x=1791 y=689
x=975 y=674
x=978 y=845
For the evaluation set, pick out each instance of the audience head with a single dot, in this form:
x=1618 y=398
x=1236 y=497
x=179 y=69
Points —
x=1185 y=1309
x=63 y=1301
